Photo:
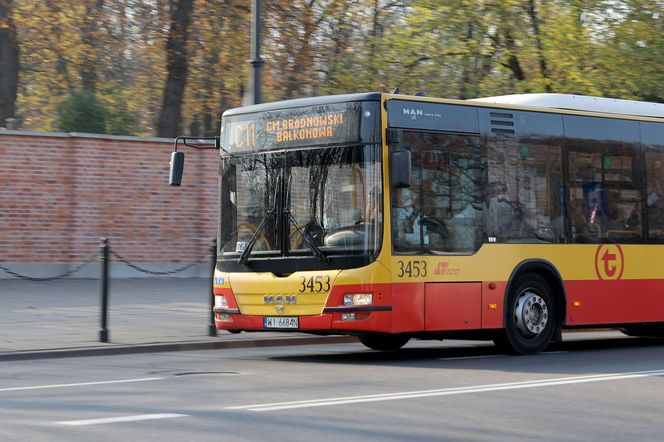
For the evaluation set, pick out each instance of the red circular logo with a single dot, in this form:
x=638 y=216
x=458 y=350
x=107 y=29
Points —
x=609 y=262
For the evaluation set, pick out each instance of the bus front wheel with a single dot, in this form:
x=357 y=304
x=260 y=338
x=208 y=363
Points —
x=384 y=342
x=530 y=316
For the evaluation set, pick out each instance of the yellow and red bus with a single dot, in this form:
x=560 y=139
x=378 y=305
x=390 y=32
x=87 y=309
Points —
x=393 y=217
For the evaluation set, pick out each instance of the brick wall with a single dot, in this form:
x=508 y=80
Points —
x=59 y=193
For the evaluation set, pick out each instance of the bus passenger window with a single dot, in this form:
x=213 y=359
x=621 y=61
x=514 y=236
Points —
x=602 y=188
x=523 y=202
x=655 y=195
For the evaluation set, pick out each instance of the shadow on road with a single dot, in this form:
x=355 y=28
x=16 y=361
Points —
x=421 y=353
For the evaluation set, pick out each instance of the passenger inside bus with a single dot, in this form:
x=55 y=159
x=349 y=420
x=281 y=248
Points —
x=579 y=220
x=606 y=216
x=500 y=214
x=615 y=218
x=408 y=224
x=655 y=207
x=371 y=211
x=626 y=209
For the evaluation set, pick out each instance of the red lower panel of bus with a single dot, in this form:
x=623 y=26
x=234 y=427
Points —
x=614 y=302
x=416 y=307
x=413 y=307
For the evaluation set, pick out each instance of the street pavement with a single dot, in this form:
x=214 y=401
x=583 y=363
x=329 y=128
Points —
x=62 y=318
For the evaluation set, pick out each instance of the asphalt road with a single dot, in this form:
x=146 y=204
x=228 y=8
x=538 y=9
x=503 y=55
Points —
x=596 y=387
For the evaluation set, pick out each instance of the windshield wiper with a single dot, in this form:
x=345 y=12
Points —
x=244 y=256
x=247 y=250
x=307 y=238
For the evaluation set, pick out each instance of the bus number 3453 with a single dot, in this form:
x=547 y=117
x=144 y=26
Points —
x=314 y=284
x=412 y=269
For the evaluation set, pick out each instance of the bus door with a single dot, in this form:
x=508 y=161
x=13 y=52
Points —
x=441 y=211
x=440 y=214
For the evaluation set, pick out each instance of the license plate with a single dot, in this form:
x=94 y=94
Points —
x=281 y=322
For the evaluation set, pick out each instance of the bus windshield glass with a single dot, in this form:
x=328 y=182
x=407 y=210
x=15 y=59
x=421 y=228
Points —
x=317 y=202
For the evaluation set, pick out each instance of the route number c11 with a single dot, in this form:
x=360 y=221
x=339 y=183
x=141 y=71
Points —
x=412 y=269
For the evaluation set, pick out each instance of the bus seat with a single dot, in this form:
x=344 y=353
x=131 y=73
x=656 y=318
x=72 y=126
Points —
x=593 y=230
x=623 y=233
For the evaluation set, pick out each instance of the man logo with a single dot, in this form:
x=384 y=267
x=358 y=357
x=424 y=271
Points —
x=413 y=112
x=279 y=299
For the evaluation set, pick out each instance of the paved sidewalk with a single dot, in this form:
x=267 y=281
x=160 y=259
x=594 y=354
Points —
x=62 y=318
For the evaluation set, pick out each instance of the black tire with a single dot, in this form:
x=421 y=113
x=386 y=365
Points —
x=530 y=316
x=384 y=342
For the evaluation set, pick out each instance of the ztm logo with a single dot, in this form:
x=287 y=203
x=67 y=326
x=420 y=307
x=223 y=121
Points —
x=609 y=262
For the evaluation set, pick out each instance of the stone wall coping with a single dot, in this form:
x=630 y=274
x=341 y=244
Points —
x=25 y=133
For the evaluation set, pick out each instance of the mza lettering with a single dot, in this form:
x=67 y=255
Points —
x=443 y=268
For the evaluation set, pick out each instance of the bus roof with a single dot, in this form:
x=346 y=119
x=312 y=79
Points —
x=302 y=102
x=580 y=103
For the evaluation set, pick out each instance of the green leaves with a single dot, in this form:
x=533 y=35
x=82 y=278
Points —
x=81 y=112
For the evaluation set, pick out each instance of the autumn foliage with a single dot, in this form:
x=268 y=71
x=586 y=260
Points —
x=174 y=66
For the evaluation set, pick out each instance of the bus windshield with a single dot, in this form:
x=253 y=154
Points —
x=310 y=202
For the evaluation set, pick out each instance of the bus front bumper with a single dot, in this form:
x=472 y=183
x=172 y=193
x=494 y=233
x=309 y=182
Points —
x=342 y=319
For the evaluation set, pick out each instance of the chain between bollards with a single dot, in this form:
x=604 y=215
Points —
x=212 y=329
x=104 y=256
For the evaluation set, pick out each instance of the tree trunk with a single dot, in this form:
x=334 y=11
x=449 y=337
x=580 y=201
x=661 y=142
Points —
x=467 y=64
x=90 y=48
x=9 y=61
x=177 y=65
x=535 y=21
x=513 y=63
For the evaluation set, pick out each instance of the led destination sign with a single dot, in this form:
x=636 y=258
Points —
x=320 y=125
x=305 y=128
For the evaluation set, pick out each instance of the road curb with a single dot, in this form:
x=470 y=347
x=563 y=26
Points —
x=119 y=349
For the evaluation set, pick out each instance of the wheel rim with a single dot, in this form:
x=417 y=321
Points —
x=531 y=313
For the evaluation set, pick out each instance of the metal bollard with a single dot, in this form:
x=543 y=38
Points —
x=103 y=256
x=212 y=329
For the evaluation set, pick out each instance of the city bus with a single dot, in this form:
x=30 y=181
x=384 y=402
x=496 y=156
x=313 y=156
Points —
x=391 y=217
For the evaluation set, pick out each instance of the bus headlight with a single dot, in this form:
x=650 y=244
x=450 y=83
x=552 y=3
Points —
x=358 y=299
x=220 y=301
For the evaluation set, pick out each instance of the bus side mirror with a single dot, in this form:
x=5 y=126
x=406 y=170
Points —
x=177 y=166
x=400 y=168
